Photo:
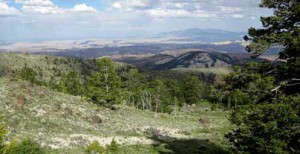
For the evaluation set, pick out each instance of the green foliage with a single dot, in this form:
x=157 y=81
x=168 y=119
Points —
x=247 y=85
x=26 y=146
x=193 y=89
x=147 y=92
x=94 y=148
x=160 y=95
x=27 y=73
x=268 y=115
x=52 y=83
x=282 y=28
x=113 y=147
x=104 y=85
x=274 y=128
x=174 y=88
x=3 y=132
x=190 y=146
x=70 y=83
x=10 y=148
x=132 y=78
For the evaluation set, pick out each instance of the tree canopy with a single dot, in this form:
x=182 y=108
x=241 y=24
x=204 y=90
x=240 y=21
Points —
x=268 y=114
x=103 y=86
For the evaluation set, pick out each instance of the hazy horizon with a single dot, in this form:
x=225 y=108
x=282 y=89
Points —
x=43 y=20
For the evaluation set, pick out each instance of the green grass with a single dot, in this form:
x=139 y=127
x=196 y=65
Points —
x=63 y=122
x=45 y=66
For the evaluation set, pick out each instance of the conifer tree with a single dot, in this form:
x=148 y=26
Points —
x=104 y=85
x=270 y=122
x=70 y=83
x=192 y=89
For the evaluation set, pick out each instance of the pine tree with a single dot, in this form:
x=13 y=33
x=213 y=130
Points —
x=192 y=89
x=70 y=83
x=104 y=85
x=270 y=122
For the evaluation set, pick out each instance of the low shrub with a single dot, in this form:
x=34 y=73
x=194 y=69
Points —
x=94 y=148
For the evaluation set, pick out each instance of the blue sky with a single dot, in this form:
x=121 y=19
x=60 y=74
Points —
x=35 y=20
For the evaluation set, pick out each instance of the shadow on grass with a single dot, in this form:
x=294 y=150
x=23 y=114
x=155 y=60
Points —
x=169 y=145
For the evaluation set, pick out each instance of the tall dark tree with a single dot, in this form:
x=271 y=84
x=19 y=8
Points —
x=104 y=85
x=270 y=121
x=192 y=89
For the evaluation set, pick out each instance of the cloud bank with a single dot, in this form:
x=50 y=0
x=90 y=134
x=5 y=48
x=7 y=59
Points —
x=48 y=19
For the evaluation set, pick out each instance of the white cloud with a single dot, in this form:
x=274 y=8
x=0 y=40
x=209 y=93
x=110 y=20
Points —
x=48 y=7
x=237 y=16
x=43 y=19
x=135 y=4
x=192 y=8
x=117 y=5
x=35 y=2
x=229 y=9
x=84 y=8
x=5 y=10
x=164 y=13
x=168 y=13
x=39 y=7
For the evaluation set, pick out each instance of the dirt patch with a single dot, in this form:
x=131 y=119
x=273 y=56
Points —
x=21 y=100
x=204 y=122
x=96 y=119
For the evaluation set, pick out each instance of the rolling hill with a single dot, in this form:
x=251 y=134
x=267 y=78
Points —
x=46 y=66
x=197 y=59
x=145 y=61
x=63 y=123
x=190 y=58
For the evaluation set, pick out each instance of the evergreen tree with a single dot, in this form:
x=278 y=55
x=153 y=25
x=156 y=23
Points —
x=71 y=84
x=161 y=96
x=270 y=121
x=192 y=89
x=132 y=84
x=104 y=85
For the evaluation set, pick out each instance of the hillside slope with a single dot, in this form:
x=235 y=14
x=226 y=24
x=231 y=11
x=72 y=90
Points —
x=45 y=66
x=198 y=59
x=64 y=123
x=67 y=123
x=145 y=62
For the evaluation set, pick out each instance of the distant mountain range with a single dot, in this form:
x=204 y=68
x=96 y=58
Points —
x=203 y=35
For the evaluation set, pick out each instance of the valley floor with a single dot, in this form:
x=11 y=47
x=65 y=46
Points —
x=65 y=124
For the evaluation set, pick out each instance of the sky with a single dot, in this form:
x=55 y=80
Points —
x=39 y=20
